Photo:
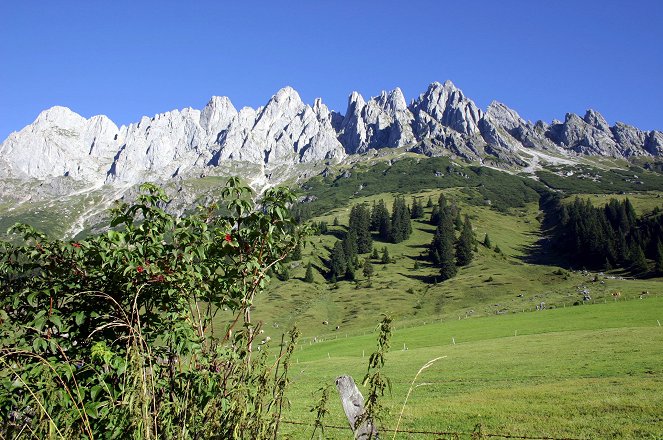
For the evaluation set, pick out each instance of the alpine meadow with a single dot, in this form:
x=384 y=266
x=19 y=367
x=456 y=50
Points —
x=352 y=247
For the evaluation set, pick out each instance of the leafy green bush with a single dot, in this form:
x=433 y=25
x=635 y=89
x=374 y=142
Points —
x=114 y=336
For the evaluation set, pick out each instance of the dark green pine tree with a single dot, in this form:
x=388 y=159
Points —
x=297 y=252
x=401 y=226
x=417 y=210
x=385 y=256
x=442 y=201
x=429 y=203
x=486 y=241
x=446 y=251
x=435 y=247
x=360 y=223
x=658 y=258
x=465 y=243
x=368 y=269
x=435 y=216
x=639 y=262
x=350 y=247
x=380 y=220
x=337 y=264
x=308 y=277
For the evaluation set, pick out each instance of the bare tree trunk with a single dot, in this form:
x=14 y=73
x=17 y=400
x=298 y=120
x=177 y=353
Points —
x=353 y=405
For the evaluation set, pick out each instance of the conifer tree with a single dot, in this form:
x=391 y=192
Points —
x=639 y=261
x=441 y=251
x=401 y=226
x=368 y=269
x=447 y=259
x=375 y=255
x=337 y=263
x=380 y=220
x=486 y=241
x=297 y=252
x=429 y=203
x=350 y=247
x=385 y=256
x=417 y=210
x=308 y=277
x=464 y=252
x=658 y=258
x=360 y=223
x=435 y=216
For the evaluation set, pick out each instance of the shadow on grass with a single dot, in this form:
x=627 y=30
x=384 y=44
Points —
x=426 y=279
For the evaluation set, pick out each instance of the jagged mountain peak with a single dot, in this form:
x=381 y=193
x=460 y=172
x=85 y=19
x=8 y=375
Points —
x=441 y=120
x=596 y=119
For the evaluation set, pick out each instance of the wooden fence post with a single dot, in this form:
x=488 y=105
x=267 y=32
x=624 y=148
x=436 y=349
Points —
x=353 y=405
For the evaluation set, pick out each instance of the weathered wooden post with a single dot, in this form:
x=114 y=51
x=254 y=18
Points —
x=353 y=405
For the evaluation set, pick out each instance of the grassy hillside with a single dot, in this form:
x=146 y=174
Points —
x=494 y=283
x=579 y=372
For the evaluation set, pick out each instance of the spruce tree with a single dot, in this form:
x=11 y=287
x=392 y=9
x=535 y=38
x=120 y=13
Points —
x=337 y=263
x=447 y=259
x=368 y=269
x=385 y=256
x=401 y=226
x=308 y=278
x=380 y=220
x=658 y=258
x=464 y=253
x=639 y=261
x=297 y=252
x=486 y=241
x=435 y=216
x=417 y=210
x=360 y=223
x=429 y=203
x=350 y=247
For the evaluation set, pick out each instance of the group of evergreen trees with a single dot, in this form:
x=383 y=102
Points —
x=445 y=251
x=608 y=237
x=395 y=227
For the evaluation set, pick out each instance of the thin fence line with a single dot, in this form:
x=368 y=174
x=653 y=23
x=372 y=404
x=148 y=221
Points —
x=477 y=434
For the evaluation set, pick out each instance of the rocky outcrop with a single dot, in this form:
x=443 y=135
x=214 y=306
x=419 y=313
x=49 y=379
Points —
x=287 y=131
x=63 y=143
x=444 y=105
x=384 y=121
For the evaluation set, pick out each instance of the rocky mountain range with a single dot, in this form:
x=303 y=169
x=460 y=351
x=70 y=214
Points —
x=286 y=131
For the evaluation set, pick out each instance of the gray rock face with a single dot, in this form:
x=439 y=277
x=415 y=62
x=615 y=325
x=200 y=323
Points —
x=384 y=121
x=62 y=143
x=444 y=105
x=287 y=131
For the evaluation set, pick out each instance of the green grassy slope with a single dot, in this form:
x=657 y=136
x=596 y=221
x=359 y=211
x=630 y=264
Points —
x=494 y=283
x=581 y=372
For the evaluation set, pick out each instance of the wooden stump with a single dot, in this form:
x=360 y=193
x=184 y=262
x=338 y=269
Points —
x=353 y=405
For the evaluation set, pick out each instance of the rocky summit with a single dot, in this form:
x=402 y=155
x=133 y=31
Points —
x=286 y=131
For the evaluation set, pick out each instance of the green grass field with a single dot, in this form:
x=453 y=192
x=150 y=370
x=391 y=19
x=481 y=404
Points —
x=494 y=283
x=576 y=372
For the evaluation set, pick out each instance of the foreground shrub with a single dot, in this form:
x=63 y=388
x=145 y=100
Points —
x=119 y=335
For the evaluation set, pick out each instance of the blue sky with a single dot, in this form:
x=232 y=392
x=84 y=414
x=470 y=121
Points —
x=126 y=59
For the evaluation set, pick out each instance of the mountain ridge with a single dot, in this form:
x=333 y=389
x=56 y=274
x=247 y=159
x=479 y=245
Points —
x=286 y=131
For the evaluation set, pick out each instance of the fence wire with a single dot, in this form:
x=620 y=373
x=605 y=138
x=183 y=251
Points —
x=476 y=434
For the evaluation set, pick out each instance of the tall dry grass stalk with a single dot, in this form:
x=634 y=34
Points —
x=412 y=387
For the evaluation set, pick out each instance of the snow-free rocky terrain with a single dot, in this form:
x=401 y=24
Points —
x=63 y=154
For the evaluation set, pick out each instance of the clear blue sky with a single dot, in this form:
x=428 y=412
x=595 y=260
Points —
x=126 y=59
